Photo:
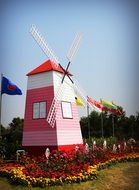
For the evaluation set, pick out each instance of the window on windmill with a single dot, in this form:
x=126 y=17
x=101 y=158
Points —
x=66 y=110
x=42 y=109
x=39 y=110
x=35 y=110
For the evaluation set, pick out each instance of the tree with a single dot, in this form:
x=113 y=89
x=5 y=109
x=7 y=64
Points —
x=84 y=127
x=2 y=144
x=124 y=127
x=12 y=137
x=137 y=126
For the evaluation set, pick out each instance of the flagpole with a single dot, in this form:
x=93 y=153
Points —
x=0 y=105
x=112 y=125
x=88 y=123
x=102 y=124
x=102 y=133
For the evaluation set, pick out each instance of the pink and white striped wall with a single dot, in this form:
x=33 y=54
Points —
x=37 y=134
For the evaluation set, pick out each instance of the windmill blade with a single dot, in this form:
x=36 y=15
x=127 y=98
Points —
x=65 y=71
x=79 y=91
x=74 y=47
x=51 y=118
x=42 y=43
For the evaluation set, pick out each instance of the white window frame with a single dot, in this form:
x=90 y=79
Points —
x=36 y=110
x=39 y=110
x=42 y=110
x=66 y=110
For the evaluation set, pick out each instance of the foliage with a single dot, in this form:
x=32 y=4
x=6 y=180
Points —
x=118 y=175
x=110 y=141
x=11 y=138
x=63 y=167
x=124 y=127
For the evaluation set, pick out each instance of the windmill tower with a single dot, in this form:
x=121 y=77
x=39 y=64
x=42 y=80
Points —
x=51 y=117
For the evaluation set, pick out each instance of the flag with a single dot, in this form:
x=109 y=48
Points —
x=7 y=87
x=111 y=107
x=95 y=104
x=119 y=112
x=114 y=111
x=109 y=104
x=78 y=101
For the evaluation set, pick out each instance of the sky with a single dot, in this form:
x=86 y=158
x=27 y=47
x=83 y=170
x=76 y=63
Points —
x=106 y=64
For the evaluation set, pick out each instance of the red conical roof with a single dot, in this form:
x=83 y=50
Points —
x=45 y=67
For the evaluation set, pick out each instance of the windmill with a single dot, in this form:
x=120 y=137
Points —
x=50 y=131
x=51 y=55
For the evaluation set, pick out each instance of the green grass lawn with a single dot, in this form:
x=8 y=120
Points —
x=123 y=176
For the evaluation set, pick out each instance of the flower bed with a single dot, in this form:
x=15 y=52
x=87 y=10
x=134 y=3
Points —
x=72 y=167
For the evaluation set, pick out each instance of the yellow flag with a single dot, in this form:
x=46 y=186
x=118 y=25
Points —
x=108 y=104
x=79 y=102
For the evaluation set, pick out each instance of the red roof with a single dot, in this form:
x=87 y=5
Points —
x=45 y=67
